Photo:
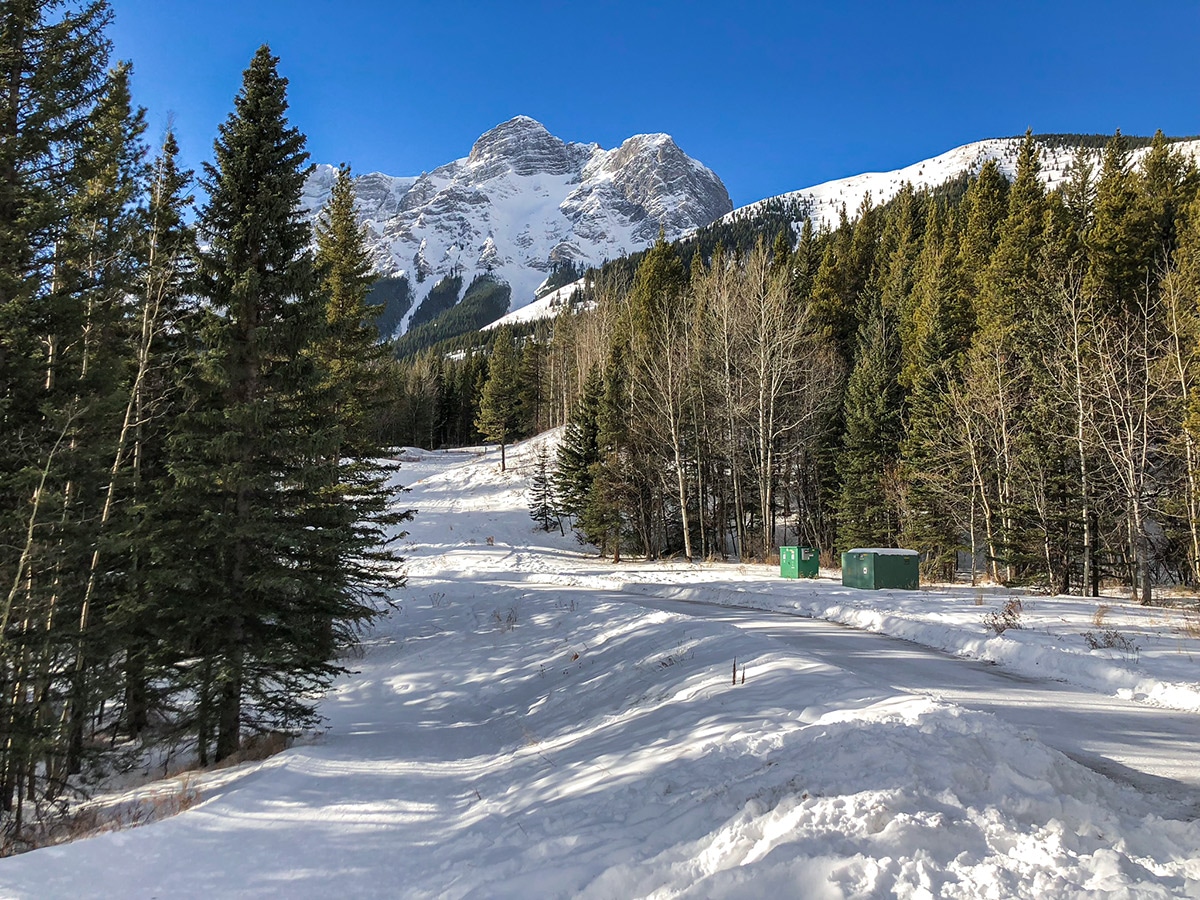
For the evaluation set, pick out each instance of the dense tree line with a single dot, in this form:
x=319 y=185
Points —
x=194 y=516
x=1002 y=375
x=999 y=375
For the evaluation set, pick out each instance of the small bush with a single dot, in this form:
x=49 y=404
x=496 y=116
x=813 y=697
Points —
x=1008 y=617
x=1111 y=639
x=507 y=622
x=1099 y=615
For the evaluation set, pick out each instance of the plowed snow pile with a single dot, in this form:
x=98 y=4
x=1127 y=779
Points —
x=516 y=730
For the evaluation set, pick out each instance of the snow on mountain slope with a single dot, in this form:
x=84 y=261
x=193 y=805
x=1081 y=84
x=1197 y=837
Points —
x=824 y=202
x=545 y=307
x=524 y=200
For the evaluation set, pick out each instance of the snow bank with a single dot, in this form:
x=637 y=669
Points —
x=1135 y=652
x=516 y=730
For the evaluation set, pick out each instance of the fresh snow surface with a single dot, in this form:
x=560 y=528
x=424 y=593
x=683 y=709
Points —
x=884 y=551
x=545 y=307
x=522 y=728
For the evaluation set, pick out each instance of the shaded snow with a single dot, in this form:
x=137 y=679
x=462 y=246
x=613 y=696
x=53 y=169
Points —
x=519 y=729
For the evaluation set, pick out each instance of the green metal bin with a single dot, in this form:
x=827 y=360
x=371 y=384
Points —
x=799 y=562
x=872 y=568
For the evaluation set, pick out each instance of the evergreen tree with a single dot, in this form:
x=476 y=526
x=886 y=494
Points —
x=499 y=417
x=579 y=451
x=97 y=271
x=251 y=499
x=354 y=384
x=1119 y=241
x=54 y=114
x=541 y=492
x=874 y=407
x=805 y=260
x=986 y=205
x=153 y=404
x=613 y=492
x=531 y=405
x=1014 y=296
x=932 y=472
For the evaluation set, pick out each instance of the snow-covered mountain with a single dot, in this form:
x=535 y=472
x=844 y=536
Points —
x=823 y=202
x=522 y=201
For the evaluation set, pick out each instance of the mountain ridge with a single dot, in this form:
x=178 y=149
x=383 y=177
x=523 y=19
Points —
x=823 y=202
x=524 y=201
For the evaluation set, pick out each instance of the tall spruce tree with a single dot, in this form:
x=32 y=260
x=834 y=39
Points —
x=97 y=272
x=500 y=413
x=867 y=515
x=354 y=384
x=541 y=492
x=153 y=403
x=579 y=451
x=932 y=471
x=251 y=492
x=614 y=490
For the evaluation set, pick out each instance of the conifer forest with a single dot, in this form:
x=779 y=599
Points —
x=997 y=375
x=193 y=496
x=197 y=509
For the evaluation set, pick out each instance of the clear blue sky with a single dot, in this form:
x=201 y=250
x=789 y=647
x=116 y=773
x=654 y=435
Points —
x=773 y=96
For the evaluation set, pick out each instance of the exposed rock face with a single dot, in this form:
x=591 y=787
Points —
x=524 y=200
x=523 y=146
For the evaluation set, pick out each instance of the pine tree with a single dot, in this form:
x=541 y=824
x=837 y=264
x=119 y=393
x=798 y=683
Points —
x=986 y=205
x=932 y=470
x=531 y=405
x=541 y=492
x=251 y=495
x=1120 y=239
x=354 y=384
x=1014 y=295
x=499 y=417
x=355 y=363
x=614 y=491
x=52 y=57
x=153 y=404
x=579 y=451
x=874 y=406
x=97 y=272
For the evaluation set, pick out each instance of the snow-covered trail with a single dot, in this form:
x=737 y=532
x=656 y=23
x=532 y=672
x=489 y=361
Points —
x=521 y=726
x=1156 y=750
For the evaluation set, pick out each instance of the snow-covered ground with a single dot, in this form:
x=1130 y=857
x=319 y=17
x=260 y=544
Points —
x=522 y=729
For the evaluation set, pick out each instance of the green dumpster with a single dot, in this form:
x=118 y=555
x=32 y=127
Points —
x=872 y=568
x=799 y=562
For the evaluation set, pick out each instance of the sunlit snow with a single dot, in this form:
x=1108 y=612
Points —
x=525 y=727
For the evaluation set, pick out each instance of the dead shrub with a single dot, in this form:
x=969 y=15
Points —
x=257 y=747
x=1111 y=639
x=1009 y=616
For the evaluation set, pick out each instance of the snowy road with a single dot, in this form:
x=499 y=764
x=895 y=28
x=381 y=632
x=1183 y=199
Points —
x=1156 y=750
x=526 y=721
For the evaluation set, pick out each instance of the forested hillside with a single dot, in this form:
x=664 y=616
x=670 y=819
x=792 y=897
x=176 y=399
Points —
x=999 y=376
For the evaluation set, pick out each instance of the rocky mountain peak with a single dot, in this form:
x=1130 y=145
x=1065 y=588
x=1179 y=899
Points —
x=523 y=146
x=524 y=201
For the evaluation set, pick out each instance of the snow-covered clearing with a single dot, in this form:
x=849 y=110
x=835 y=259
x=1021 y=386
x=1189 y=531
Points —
x=524 y=729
